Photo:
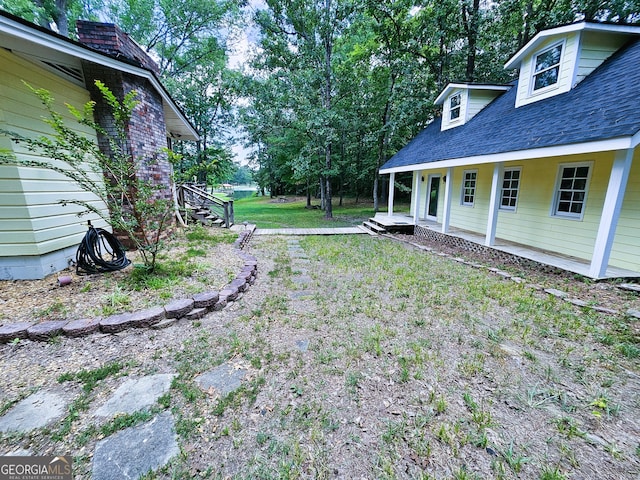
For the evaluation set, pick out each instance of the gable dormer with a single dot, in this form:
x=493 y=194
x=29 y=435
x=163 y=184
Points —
x=462 y=101
x=556 y=60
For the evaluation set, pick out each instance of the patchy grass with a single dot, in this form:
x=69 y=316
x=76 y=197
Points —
x=393 y=363
x=267 y=212
x=420 y=367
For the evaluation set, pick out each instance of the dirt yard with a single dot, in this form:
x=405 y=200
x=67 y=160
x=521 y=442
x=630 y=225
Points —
x=369 y=359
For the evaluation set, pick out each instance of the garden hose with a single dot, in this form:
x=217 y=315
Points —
x=100 y=252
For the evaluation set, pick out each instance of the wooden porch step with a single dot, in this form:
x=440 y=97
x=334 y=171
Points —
x=374 y=227
x=364 y=229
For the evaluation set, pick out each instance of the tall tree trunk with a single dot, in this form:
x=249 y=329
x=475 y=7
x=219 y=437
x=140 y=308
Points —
x=471 y=21
x=322 y=193
x=328 y=208
x=383 y=139
x=308 y=194
x=376 y=180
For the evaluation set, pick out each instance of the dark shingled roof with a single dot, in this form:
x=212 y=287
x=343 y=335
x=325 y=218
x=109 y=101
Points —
x=605 y=105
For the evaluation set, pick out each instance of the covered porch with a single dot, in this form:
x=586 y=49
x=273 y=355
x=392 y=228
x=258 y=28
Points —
x=570 y=264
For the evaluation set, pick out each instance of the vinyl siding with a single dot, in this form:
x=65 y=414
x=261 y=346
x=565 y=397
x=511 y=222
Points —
x=595 y=48
x=478 y=99
x=471 y=218
x=32 y=222
x=534 y=224
x=566 y=74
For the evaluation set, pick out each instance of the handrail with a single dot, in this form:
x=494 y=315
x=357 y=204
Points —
x=200 y=198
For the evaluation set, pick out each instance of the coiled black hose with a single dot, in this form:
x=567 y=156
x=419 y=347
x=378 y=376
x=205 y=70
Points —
x=100 y=252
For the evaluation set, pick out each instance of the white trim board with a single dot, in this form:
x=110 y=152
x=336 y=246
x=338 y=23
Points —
x=621 y=143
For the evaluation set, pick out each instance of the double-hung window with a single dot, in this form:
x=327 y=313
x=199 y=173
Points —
x=454 y=107
x=571 y=190
x=510 y=189
x=469 y=178
x=546 y=69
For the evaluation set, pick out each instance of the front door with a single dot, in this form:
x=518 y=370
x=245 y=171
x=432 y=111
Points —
x=431 y=206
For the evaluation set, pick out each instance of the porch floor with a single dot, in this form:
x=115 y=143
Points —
x=570 y=264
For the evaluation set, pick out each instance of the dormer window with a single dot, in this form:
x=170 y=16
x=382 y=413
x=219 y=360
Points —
x=547 y=68
x=454 y=107
x=462 y=101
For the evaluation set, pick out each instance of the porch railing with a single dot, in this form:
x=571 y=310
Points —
x=195 y=196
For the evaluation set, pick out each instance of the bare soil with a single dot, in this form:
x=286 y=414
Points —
x=368 y=359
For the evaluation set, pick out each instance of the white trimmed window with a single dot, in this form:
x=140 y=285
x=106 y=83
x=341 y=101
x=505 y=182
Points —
x=454 y=107
x=571 y=190
x=469 y=178
x=510 y=189
x=546 y=68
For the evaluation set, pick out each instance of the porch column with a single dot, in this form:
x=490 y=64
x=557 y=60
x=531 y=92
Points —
x=416 y=200
x=611 y=212
x=448 y=188
x=494 y=204
x=392 y=182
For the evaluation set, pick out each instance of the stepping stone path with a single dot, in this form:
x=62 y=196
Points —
x=128 y=453
x=135 y=451
x=302 y=279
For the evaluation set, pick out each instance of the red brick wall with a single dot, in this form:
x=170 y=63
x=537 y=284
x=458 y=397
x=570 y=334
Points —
x=110 y=39
x=147 y=132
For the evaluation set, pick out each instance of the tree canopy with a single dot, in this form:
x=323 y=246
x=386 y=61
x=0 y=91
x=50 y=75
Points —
x=333 y=88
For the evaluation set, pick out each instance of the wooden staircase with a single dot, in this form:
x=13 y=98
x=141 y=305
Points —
x=199 y=205
x=381 y=224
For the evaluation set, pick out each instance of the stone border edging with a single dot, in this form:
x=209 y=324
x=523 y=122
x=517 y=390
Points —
x=155 y=317
x=507 y=276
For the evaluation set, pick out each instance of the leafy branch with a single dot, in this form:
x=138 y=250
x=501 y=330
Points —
x=135 y=206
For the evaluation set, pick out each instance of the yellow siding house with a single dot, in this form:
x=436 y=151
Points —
x=39 y=236
x=545 y=168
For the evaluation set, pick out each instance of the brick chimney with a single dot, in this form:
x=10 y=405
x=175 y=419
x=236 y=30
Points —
x=110 y=39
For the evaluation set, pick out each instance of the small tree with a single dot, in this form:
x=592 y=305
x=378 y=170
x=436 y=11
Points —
x=135 y=206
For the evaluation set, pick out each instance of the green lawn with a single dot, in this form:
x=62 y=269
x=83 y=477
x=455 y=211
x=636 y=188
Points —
x=267 y=212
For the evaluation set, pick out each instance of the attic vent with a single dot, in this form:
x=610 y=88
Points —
x=74 y=74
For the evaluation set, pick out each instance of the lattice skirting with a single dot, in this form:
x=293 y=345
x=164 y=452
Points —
x=487 y=252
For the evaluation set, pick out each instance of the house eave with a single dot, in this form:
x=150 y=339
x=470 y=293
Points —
x=468 y=86
x=22 y=38
x=620 y=143
x=516 y=59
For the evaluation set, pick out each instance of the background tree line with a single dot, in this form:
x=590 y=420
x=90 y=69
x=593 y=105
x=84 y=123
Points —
x=333 y=88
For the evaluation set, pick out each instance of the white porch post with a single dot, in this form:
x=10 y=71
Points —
x=448 y=188
x=392 y=181
x=416 y=200
x=494 y=203
x=611 y=212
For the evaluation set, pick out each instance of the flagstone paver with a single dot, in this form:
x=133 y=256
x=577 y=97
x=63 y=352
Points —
x=133 y=452
x=136 y=394
x=224 y=379
x=35 y=411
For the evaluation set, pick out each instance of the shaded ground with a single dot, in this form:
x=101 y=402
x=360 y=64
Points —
x=366 y=359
